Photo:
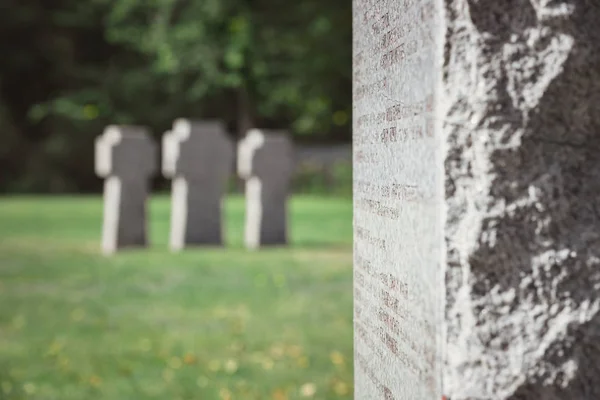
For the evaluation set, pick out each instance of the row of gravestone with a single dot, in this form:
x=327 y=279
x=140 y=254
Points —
x=198 y=158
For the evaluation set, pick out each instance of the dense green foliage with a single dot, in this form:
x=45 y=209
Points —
x=210 y=324
x=69 y=68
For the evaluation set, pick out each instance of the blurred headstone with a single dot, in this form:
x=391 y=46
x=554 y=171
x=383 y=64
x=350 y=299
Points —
x=126 y=158
x=266 y=162
x=476 y=199
x=198 y=157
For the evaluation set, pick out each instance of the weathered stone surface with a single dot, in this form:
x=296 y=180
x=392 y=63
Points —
x=265 y=162
x=198 y=157
x=477 y=121
x=126 y=159
x=522 y=105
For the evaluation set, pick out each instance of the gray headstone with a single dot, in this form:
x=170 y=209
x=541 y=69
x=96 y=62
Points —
x=126 y=159
x=266 y=162
x=476 y=199
x=198 y=157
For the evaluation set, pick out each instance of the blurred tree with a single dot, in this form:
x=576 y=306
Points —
x=49 y=47
x=71 y=67
x=282 y=60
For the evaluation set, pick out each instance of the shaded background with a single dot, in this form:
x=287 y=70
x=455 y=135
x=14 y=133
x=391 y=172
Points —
x=69 y=68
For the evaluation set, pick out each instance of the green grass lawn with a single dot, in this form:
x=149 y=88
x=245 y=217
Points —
x=147 y=324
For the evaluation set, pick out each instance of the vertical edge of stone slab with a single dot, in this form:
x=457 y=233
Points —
x=398 y=183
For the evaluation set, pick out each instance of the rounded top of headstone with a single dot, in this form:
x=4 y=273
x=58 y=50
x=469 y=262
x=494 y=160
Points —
x=182 y=128
x=255 y=138
x=112 y=135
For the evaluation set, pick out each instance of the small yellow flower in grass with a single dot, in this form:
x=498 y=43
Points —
x=175 y=362
x=63 y=362
x=267 y=364
x=277 y=350
x=336 y=357
x=78 y=314
x=202 y=381
x=294 y=351
x=303 y=362
x=29 y=388
x=55 y=348
x=214 y=365
x=231 y=366
x=341 y=388
x=308 y=390
x=168 y=375
x=189 y=359
x=95 y=381
x=279 y=394
x=225 y=394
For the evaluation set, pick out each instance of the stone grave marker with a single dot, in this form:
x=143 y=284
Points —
x=126 y=159
x=198 y=157
x=266 y=162
x=476 y=199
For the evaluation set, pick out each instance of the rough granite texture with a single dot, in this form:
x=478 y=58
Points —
x=521 y=106
x=511 y=131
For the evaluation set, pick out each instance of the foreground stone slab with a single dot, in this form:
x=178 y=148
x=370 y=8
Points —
x=476 y=211
x=266 y=163
x=198 y=157
x=126 y=159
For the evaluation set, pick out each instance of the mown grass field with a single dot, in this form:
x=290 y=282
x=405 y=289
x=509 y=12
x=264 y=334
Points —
x=203 y=324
